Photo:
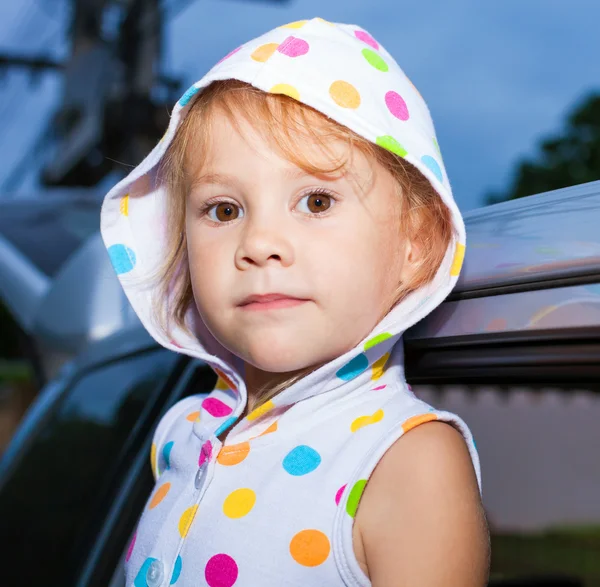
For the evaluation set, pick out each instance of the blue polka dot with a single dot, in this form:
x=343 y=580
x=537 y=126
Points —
x=189 y=94
x=229 y=422
x=122 y=258
x=301 y=460
x=176 y=571
x=167 y=453
x=433 y=165
x=140 y=578
x=354 y=368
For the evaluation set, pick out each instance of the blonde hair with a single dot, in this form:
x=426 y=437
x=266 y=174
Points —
x=287 y=123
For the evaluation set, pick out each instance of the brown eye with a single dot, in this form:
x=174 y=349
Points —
x=224 y=212
x=316 y=203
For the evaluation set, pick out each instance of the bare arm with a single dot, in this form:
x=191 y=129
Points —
x=421 y=522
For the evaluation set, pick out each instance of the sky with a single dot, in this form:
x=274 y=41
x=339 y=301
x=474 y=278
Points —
x=497 y=76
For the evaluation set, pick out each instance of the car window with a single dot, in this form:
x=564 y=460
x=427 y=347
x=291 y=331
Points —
x=540 y=473
x=56 y=497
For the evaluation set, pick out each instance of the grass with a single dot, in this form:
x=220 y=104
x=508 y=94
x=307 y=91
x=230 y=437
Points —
x=15 y=371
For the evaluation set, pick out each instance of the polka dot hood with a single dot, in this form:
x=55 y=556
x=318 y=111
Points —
x=274 y=503
x=343 y=72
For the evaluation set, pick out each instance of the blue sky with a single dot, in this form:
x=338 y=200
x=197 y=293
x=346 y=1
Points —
x=497 y=76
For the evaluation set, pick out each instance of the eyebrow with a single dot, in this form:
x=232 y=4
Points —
x=224 y=179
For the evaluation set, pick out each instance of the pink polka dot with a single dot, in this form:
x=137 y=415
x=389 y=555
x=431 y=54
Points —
x=338 y=495
x=396 y=105
x=130 y=549
x=205 y=453
x=379 y=387
x=293 y=47
x=367 y=38
x=221 y=571
x=229 y=54
x=215 y=407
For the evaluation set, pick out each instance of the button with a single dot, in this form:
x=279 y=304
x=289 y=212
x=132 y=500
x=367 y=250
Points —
x=155 y=574
x=200 y=476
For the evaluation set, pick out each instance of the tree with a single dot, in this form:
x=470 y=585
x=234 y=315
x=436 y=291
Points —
x=568 y=158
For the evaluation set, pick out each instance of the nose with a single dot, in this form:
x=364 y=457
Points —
x=263 y=243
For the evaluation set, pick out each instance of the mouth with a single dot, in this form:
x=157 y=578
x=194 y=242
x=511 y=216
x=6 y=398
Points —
x=273 y=301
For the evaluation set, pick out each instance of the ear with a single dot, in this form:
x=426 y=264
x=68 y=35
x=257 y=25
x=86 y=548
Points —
x=413 y=258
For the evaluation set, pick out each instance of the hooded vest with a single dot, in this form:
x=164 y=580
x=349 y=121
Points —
x=275 y=503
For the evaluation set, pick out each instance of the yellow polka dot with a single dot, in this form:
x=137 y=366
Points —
x=459 y=256
x=233 y=454
x=344 y=94
x=286 y=89
x=124 y=205
x=223 y=382
x=254 y=414
x=193 y=416
x=185 y=522
x=263 y=52
x=379 y=366
x=325 y=21
x=160 y=494
x=416 y=420
x=310 y=548
x=298 y=24
x=239 y=503
x=153 y=463
x=366 y=420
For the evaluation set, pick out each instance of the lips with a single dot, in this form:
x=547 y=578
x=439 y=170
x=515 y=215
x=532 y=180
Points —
x=270 y=301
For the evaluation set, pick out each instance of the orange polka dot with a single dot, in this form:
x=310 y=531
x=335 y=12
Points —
x=271 y=428
x=261 y=410
x=286 y=89
x=459 y=256
x=124 y=205
x=417 y=420
x=263 y=52
x=224 y=380
x=379 y=367
x=193 y=416
x=344 y=94
x=153 y=461
x=185 y=522
x=310 y=548
x=233 y=454
x=366 y=420
x=160 y=494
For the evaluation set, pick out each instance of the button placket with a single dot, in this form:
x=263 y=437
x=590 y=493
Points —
x=200 y=475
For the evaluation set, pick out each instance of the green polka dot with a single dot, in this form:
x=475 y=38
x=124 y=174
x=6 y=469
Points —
x=376 y=340
x=375 y=59
x=354 y=497
x=391 y=144
x=437 y=147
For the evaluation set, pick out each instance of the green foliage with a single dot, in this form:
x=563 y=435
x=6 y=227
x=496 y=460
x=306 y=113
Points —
x=569 y=158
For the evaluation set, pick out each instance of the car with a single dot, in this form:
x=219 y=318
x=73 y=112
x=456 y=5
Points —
x=515 y=350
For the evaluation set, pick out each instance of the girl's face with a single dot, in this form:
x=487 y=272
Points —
x=290 y=270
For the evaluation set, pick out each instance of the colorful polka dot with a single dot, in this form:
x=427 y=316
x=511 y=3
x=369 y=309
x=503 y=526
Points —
x=153 y=461
x=239 y=503
x=189 y=94
x=301 y=460
x=379 y=387
x=374 y=59
x=205 y=453
x=339 y=493
x=367 y=420
x=233 y=454
x=344 y=94
x=263 y=52
x=140 y=578
x=354 y=497
x=260 y=411
x=185 y=522
x=220 y=384
x=215 y=407
x=130 y=549
x=376 y=340
x=293 y=47
x=272 y=428
x=379 y=367
x=437 y=147
x=227 y=424
x=229 y=384
x=229 y=54
x=124 y=205
x=310 y=548
x=459 y=256
x=417 y=420
x=366 y=38
x=294 y=25
x=433 y=165
x=287 y=90
x=160 y=494
x=122 y=258
x=391 y=144
x=221 y=571
x=396 y=105
x=353 y=368
x=176 y=571
x=166 y=452
x=193 y=416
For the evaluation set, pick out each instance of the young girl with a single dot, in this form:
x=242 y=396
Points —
x=293 y=222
